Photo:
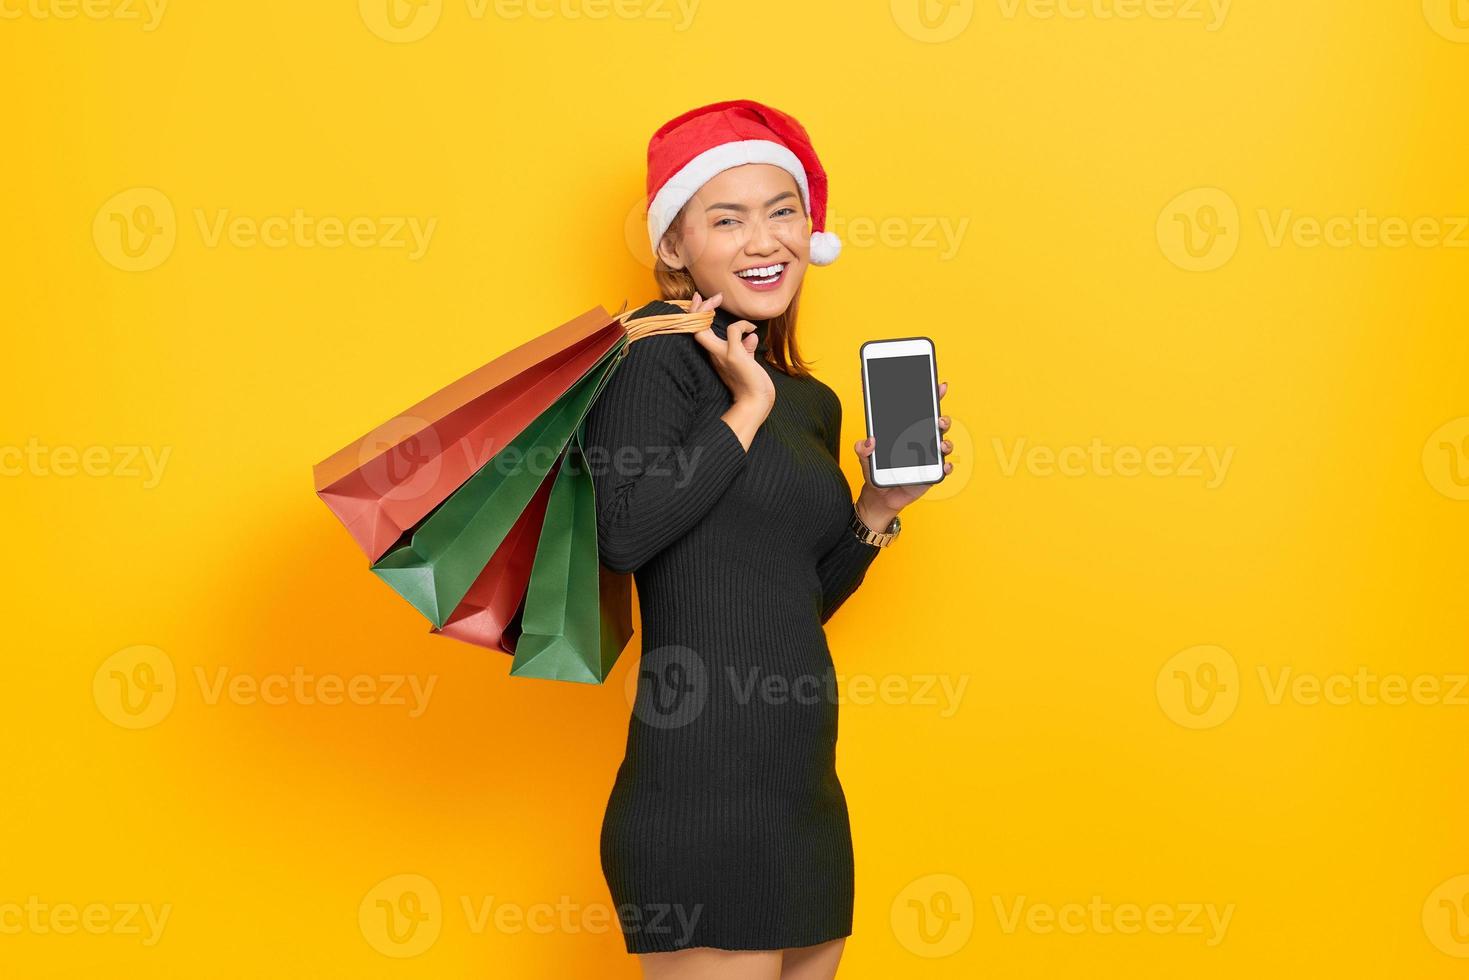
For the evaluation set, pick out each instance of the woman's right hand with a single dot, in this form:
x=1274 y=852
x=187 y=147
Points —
x=734 y=359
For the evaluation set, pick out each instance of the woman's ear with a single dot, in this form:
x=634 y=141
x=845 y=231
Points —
x=668 y=251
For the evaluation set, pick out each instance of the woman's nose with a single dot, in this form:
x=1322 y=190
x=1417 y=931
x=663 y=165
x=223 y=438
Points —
x=762 y=239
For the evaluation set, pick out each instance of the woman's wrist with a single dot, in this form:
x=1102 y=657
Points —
x=874 y=513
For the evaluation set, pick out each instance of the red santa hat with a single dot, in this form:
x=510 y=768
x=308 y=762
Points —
x=687 y=151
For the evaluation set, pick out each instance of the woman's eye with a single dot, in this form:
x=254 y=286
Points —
x=783 y=212
x=721 y=221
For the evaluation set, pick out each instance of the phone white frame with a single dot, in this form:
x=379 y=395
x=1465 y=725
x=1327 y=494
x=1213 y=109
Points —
x=897 y=476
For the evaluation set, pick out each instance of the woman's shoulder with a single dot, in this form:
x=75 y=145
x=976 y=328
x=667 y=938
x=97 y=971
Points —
x=669 y=357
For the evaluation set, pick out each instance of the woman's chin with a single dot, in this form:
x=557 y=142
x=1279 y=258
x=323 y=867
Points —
x=754 y=304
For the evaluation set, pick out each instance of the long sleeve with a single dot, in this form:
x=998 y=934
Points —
x=845 y=564
x=656 y=465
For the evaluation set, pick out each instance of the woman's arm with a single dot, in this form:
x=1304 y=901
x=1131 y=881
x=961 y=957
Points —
x=656 y=467
x=844 y=566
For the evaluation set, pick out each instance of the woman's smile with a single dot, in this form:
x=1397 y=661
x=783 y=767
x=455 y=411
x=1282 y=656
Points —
x=763 y=278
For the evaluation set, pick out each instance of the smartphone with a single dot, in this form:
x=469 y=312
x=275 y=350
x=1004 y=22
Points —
x=901 y=390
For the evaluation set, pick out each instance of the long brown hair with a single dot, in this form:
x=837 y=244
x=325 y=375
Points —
x=780 y=331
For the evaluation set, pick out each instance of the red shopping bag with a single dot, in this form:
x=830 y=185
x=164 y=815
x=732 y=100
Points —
x=387 y=481
x=486 y=615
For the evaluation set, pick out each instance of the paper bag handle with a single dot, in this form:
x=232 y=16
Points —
x=661 y=323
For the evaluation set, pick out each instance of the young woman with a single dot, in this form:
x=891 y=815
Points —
x=726 y=844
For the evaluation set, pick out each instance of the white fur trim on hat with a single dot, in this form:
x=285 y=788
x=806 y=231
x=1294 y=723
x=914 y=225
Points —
x=683 y=185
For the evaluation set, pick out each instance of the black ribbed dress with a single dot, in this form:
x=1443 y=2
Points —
x=726 y=824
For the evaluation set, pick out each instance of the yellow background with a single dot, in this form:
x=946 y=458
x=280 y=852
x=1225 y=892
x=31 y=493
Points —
x=1072 y=766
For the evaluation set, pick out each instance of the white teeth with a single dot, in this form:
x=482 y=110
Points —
x=767 y=272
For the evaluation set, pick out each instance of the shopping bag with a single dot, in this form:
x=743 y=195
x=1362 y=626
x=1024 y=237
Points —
x=384 y=483
x=487 y=615
x=434 y=568
x=578 y=614
x=472 y=561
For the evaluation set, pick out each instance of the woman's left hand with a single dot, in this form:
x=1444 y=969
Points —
x=879 y=505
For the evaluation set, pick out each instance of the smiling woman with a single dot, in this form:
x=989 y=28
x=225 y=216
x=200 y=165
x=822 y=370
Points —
x=726 y=814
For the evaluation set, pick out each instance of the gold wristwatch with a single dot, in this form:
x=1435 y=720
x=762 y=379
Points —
x=868 y=536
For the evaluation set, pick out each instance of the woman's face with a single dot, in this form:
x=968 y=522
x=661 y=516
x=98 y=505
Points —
x=746 y=218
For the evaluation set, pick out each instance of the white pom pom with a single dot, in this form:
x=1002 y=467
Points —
x=825 y=247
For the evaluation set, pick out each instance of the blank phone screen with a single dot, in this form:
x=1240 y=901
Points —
x=901 y=394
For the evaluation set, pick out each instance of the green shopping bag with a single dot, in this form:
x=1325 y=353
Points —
x=445 y=553
x=578 y=615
